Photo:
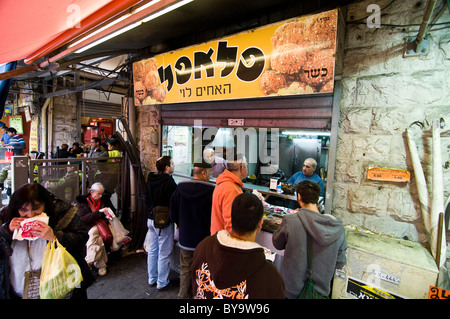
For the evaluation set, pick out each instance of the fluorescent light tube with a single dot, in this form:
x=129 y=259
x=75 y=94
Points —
x=166 y=10
x=109 y=36
x=313 y=133
x=127 y=28
x=145 y=6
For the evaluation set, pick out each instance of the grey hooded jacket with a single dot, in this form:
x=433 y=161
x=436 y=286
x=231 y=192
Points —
x=329 y=245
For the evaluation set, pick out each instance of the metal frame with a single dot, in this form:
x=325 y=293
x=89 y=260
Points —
x=83 y=160
x=22 y=169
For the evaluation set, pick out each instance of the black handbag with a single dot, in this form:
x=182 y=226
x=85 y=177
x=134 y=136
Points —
x=161 y=218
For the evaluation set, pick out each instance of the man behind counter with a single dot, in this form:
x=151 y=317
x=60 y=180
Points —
x=307 y=173
x=218 y=163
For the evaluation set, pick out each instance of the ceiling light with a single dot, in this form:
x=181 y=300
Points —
x=166 y=10
x=114 y=22
x=145 y=6
x=100 y=30
x=223 y=138
x=109 y=36
x=129 y=27
x=312 y=133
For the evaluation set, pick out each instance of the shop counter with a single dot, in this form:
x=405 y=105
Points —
x=247 y=186
x=267 y=192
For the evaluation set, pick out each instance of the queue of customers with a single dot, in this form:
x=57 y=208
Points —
x=217 y=227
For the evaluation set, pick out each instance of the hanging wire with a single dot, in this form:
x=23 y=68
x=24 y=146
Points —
x=445 y=24
x=381 y=10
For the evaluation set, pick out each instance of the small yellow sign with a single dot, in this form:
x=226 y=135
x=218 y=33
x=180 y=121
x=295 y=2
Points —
x=388 y=174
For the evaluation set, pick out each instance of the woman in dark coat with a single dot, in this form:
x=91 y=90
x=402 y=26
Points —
x=28 y=201
x=91 y=208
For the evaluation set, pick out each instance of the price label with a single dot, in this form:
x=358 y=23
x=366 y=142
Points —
x=388 y=174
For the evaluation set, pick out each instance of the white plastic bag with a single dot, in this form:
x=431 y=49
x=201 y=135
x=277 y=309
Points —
x=147 y=242
x=119 y=232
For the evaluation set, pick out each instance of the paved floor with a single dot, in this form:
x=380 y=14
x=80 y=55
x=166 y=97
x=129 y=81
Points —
x=127 y=279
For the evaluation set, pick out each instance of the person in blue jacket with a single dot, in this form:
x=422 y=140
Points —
x=5 y=136
x=190 y=209
x=307 y=174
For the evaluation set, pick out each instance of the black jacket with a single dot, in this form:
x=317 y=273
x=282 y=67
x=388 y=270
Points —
x=159 y=189
x=224 y=267
x=190 y=209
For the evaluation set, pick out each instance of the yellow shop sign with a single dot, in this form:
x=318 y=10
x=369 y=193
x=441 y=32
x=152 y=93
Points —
x=295 y=56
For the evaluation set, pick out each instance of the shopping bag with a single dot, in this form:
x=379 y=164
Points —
x=8 y=155
x=146 y=244
x=119 y=232
x=60 y=273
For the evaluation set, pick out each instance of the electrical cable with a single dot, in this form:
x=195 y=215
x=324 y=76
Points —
x=404 y=25
x=447 y=23
x=381 y=10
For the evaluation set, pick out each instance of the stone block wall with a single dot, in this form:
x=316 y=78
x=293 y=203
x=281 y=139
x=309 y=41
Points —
x=64 y=120
x=148 y=123
x=383 y=93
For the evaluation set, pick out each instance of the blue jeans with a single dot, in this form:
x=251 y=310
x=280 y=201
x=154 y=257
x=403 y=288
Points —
x=158 y=258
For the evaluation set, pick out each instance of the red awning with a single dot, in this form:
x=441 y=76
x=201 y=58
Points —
x=26 y=26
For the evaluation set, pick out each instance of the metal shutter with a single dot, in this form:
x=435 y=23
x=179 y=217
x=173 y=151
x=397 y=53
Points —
x=308 y=112
x=100 y=109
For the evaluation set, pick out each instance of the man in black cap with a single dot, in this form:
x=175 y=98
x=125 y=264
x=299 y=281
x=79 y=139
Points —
x=190 y=209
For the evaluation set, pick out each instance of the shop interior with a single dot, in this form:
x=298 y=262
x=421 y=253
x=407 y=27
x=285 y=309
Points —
x=96 y=127
x=270 y=152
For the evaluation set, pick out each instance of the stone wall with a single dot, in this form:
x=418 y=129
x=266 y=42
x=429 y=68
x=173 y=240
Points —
x=64 y=121
x=148 y=124
x=383 y=93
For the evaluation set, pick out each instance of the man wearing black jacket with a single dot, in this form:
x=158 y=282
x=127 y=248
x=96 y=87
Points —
x=190 y=209
x=160 y=187
x=232 y=265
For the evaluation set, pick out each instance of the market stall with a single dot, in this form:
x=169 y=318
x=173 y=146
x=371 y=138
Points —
x=271 y=90
x=267 y=93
